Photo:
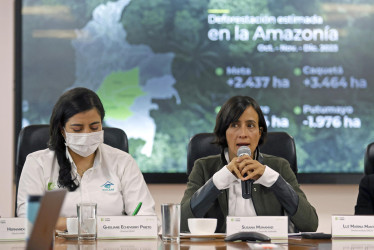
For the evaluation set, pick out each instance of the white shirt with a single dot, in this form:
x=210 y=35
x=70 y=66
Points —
x=238 y=206
x=114 y=182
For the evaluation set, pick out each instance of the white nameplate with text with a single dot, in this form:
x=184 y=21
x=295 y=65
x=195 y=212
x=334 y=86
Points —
x=352 y=226
x=126 y=227
x=275 y=227
x=12 y=229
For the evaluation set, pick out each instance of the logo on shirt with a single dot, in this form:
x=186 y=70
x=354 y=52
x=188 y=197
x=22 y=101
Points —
x=107 y=186
x=51 y=186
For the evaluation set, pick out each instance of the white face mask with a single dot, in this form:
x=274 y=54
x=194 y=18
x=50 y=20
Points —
x=84 y=144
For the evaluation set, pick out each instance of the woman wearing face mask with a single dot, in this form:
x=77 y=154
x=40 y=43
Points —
x=79 y=161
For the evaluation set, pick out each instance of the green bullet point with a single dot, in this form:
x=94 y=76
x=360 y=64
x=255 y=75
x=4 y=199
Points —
x=219 y=71
x=297 y=71
x=217 y=109
x=297 y=110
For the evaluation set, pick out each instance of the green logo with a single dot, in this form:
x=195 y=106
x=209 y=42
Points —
x=51 y=186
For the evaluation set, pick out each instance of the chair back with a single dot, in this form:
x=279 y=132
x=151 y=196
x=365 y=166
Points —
x=369 y=159
x=279 y=144
x=35 y=137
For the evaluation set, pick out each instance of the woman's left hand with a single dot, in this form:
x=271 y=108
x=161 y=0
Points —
x=61 y=224
x=249 y=168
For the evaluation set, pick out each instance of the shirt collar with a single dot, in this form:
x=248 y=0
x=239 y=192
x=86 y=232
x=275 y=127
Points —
x=226 y=153
x=97 y=160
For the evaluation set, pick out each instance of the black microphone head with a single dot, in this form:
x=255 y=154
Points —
x=244 y=150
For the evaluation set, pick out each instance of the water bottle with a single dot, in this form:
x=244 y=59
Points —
x=33 y=204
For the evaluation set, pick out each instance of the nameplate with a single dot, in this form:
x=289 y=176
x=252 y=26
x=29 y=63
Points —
x=126 y=227
x=146 y=244
x=275 y=227
x=352 y=226
x=12 y=229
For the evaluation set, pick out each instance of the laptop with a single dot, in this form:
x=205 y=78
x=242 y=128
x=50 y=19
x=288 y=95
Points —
x=42 y=234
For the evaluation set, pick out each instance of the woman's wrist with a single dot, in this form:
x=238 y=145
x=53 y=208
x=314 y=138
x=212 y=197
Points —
x=61 y=224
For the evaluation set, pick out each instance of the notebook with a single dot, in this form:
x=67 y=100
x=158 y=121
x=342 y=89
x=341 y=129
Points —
x=42 y=234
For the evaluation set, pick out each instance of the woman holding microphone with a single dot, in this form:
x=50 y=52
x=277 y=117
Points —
x=214 y=187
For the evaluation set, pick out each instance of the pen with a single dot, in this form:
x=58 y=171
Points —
x=137 y=209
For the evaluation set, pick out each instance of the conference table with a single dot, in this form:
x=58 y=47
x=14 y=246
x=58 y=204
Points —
x=200 y=244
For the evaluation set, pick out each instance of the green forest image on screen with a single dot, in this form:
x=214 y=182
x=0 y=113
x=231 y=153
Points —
x=163 y=69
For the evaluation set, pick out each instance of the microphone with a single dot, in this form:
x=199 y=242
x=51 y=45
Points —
x=246 y=185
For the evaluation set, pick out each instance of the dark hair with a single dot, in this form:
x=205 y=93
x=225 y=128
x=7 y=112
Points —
x=230 y=112
x=70 y=103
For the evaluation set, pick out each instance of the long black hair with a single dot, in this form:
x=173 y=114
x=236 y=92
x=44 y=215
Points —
x=70 y=103
x=231 y=111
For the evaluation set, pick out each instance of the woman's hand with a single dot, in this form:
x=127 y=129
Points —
x=246 y=166
x=61 y=224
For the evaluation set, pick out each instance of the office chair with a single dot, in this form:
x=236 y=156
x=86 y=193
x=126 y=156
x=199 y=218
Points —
x=35 y=137
x=278 y=144
x=369 y=159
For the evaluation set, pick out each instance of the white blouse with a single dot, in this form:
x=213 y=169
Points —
x=114 y=182
x=238 y=206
